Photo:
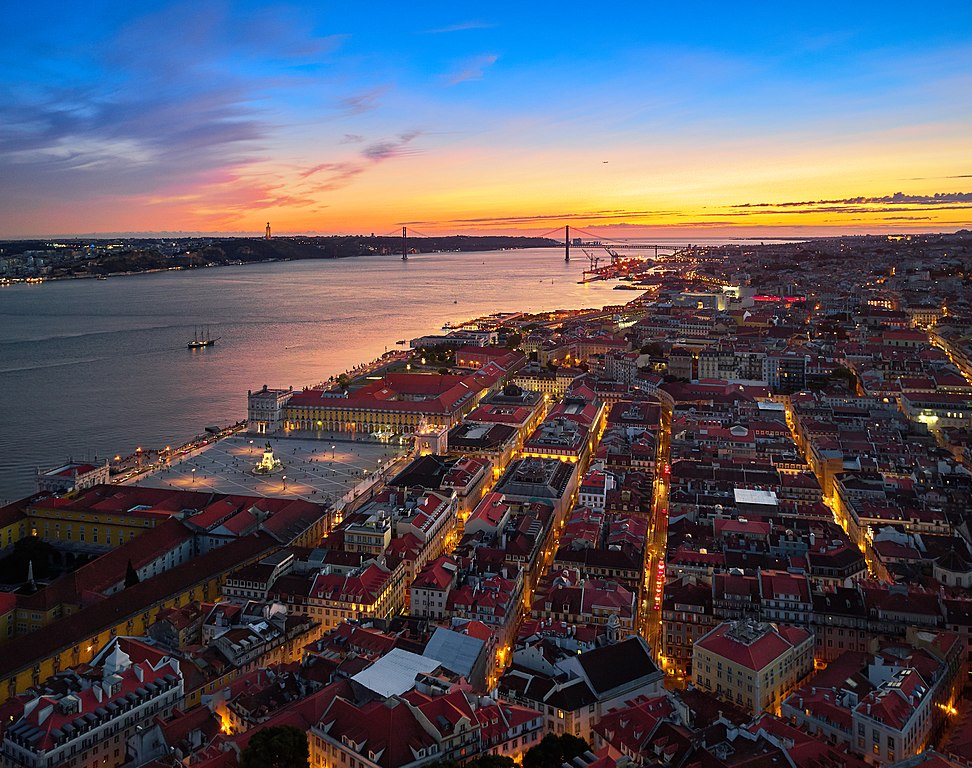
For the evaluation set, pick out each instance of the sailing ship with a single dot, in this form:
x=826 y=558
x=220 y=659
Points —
x=201 y=340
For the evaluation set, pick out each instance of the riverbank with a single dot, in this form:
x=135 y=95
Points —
x=103 y=258
x=105 y=362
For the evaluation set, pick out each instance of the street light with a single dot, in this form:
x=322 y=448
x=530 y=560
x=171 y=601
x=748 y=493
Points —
x=285 y=482
x=193 y=475
x=332 y=451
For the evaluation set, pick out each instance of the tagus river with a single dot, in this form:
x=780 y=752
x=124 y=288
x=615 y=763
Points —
x=98 y=367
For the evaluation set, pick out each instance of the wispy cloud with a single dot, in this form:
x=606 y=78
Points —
x=359 y=103
x=462 y=26
x=386 y=150
x=472 y=69
x=603 y=215
x=143 y=120
x=898 y=198
x=331 y=176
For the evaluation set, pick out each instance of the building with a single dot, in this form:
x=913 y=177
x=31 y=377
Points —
x=397 y=403
x=575 y=690
x=887 y=706
x=84 y=721
x=753 y=665
x=429 y=591
x=265 y=410
x=72 y=477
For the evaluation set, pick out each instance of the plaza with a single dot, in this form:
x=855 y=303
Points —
x=314 y=470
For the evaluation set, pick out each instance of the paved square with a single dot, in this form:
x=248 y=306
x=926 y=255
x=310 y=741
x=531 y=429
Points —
x=315 y=470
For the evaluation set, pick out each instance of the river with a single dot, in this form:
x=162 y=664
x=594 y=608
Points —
x=97 y=367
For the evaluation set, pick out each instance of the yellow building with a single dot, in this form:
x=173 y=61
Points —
x=14 y=524
x=396 y=403
x=8 y=615
x=102 y=524
x=751 y=664
x=75 y=638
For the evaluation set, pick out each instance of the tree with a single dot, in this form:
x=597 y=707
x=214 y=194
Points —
x=131 y=576
x=513 y=340
x=554 y=751
x=492 y=761
x=280 y=746
x=483 y=761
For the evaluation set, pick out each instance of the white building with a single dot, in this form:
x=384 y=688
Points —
x=265 y=407
x=88 y=726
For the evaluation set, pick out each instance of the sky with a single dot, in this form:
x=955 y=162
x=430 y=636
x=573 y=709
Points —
x=625 y=119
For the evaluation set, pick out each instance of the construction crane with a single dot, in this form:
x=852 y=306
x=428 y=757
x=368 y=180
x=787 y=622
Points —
x=591 y=258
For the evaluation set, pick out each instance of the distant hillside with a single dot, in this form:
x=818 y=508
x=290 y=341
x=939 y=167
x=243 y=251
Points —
x=243 y=249
x=75 y=258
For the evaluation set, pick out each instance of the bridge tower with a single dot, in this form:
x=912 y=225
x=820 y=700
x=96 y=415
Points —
x=567 y=242
x=404 y=245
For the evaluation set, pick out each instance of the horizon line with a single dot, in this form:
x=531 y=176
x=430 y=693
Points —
x=769 y=232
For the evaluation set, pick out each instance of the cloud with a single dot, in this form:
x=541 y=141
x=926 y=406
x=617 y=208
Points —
x=898 y=198
x=332 y=176
x=460 y=27
x=359 y=103
x=603 y=215
x=472 y=69
x=386 y=150
x=139 y=119
x=352 y=138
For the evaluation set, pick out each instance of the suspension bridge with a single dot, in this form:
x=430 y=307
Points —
x=564 y=236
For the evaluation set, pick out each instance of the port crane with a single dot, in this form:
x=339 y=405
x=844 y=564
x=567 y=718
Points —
x=614 y=254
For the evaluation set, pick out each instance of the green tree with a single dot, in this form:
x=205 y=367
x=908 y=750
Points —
x=554 y=751
x=492 y=761
x=276 y=747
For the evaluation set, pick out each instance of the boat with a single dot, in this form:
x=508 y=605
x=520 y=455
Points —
x=205 y=340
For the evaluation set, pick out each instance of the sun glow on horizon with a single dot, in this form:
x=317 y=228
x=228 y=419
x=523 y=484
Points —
x=204 y=118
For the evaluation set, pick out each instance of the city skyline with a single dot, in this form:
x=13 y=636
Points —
x=665 y=122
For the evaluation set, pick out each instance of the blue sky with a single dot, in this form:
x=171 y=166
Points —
x=353 y=117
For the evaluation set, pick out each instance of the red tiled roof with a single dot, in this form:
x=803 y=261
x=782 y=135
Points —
x=757 y=654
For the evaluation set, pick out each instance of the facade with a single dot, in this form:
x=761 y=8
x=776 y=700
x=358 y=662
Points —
x=265 y=410
x=397 y=403
x=72 y=477
x=753 y=665
x=575 y=691
x=429 y=591
x=888 y=706
x=88 y=722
